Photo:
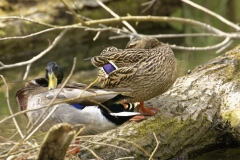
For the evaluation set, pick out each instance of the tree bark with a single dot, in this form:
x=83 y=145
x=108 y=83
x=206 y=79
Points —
x=197 y=112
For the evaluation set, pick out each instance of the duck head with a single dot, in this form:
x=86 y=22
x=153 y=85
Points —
x=143 y=43
x=54 y=75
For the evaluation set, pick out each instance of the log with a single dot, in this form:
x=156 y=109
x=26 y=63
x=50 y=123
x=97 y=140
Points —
x=56 y=142
x=201 y=110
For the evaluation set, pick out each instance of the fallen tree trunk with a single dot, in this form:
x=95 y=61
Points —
x=197 y=112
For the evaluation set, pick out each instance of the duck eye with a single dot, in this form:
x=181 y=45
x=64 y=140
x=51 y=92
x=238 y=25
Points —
x=131 y=45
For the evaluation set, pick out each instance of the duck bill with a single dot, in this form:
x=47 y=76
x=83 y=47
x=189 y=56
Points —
x=52 y=81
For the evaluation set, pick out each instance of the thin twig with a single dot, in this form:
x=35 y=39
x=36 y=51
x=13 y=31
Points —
x=73 y=12
x=224 y=42
x=116 y=16
x=120 y=139
x=90 y=150
x=19 y=151
x=158 y=142
x=97 y=35
x=45 y=31
x=80 y=130
x=149 y=5
x=13 y=135
x=101 y=143
x=9 y=107
x=28 y=135
x=42 y=122
x=124 y=33
x=124 y=158
x=27 y=71
x=40 y=55
x=212 y=14
x=224 y=47
x=92 y=83
x=54 y=103
x=159 y=19
x=27 y=19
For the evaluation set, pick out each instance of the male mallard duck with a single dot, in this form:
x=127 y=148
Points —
x=96 y=118
x=147 y=66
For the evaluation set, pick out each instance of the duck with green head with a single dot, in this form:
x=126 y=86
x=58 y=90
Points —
x=78 y=110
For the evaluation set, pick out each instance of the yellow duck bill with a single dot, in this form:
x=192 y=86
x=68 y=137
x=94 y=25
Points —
x=52 y=81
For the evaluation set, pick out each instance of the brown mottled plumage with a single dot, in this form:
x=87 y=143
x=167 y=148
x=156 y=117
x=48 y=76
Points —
x=147 y=66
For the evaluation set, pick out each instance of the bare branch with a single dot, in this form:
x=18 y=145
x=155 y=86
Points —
x=226 y=41
x=27 y=71
x=224 y=47
x=55 y=42
x=157 y=141
x=116 y=16
x=73 y=12
x=97 y=35
x=119 y=139
x=9 y=107
x=149 y=4
x=27 y=19
x=111 y=145
x=125 y=158
x=159 y=19
x=212 y=14
x=62 y=101
x=93 y=153
x=42 y=122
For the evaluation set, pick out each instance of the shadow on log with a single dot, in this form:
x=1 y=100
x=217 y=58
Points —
x=196 y=113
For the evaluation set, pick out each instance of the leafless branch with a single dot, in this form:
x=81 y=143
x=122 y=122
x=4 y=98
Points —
x=125 y=33
x=54 y=103
x=27 y=71
x=224 y=47
x=93 y=153
x=212 y=14
x=158 y=19
x=116 y=16
x=155 y=147
x=9 y=107
x=149 y=4
x=27 y=19
x=111 y=145
x=119 y=139
x=55 y=42
x=219 y=45
x=73 y=12
x=125 y=158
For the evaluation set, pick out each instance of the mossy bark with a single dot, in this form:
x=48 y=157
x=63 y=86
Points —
x=196 y=112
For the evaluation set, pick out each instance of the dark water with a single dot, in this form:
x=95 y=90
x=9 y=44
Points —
x=221 y=154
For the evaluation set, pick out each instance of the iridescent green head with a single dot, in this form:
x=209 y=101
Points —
x=54 y=74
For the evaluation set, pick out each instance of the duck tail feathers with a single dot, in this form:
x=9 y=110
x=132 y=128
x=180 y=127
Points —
x=117 y=98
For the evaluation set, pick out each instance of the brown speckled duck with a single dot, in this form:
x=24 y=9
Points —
x=147 y=66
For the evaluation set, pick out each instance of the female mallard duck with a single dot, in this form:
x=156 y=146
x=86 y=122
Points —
x=96 y=118
x=147 y=66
